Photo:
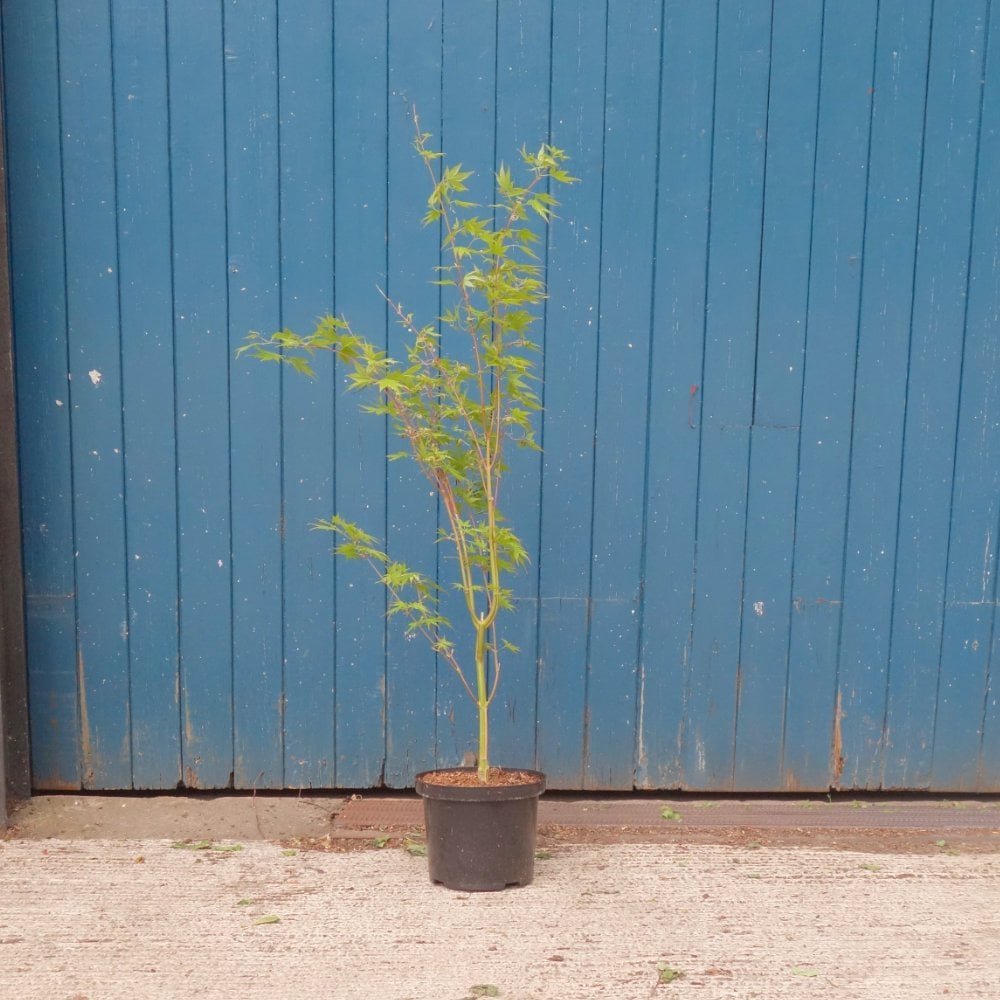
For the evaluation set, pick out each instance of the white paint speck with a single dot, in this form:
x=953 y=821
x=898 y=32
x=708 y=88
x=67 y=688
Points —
x=95 y=376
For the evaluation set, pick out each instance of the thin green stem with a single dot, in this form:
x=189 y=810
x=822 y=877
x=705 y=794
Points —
x=482 y=703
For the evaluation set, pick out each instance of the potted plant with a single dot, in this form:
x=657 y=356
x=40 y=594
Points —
x=462 y=393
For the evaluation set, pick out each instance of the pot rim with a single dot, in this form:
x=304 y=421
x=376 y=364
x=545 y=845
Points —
x=479 y=793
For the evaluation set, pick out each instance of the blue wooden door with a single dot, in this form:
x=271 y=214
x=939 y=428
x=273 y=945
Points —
x=764 y=523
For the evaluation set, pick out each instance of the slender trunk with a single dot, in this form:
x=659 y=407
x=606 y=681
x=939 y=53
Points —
x=482 y=703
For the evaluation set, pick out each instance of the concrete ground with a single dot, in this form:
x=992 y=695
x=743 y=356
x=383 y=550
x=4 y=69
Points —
x=285 y=898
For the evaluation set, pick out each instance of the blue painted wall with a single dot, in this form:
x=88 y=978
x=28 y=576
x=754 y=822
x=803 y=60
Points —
x=764 y=525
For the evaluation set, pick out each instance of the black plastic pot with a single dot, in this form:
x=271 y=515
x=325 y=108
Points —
x=480 y=838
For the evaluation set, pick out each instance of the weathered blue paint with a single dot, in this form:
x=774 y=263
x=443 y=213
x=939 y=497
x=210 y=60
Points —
x=568 y=432
x=764 y=524
x=524 y=31
x=253 y=217
x=146 y=307
x=415 y=39
x=622 y=334
x=31 y=79
x=93 y=325
x=305 y=103
x=739 y=117
x=887 y=262
x=201 y=380
x=967 y=707
x=360 y=69
x=782 y=314
x=813 y=745
x=940 y=290
x=675 y=391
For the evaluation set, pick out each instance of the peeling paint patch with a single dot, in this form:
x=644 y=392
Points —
x=95 y=376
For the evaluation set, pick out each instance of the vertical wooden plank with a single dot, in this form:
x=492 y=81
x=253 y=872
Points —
x=675 y=375
x=812 y=741
x=360 y=76
x=966 y=739
x=792 y=109
x=201 y=350
x=880 y=388
x=15 y=736
x=631 y=103
x=468 y=137
x=955 y=76
x=86 y=106
x=253 y=207
x=468 y=87
x=574 y=269
x=524 y=35
x=739 y=125
x=44 y=395
x=414 y=82
x=143 y=169
x=305 y=118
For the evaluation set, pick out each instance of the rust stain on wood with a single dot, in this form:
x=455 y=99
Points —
x=837 y=757
x=55 y=783
x=86 y=744
x=189 y=734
